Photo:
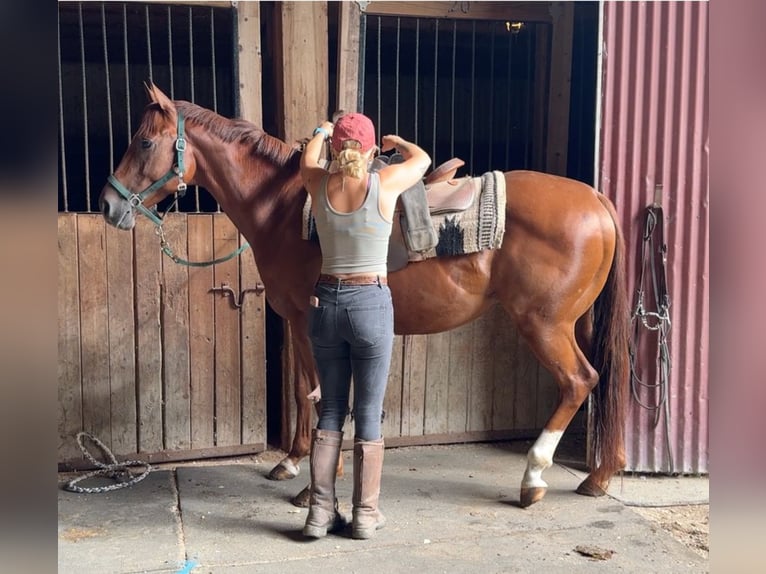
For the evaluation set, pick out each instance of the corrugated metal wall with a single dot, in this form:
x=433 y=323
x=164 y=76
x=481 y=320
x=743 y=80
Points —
x=654 y=131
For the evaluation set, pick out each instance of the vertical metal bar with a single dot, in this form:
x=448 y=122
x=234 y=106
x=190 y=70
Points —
x=528 y=99
x=436 y=85
x=379 y=74
x=598 y=96
x=108 y=91
x=417 y=66
x=473 y=89
x=191 y=81
x=491 y=92
x=170 y=53
x=85 y=112
x=191 y=55
x=149 y=44
x=398 y=50
x=61 y=126
x=212 y=58
x=452 y=110
x=127 y=68
x=176 y=203
x=508 y=109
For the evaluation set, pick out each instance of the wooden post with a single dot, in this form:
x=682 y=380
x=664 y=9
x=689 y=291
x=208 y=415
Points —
x=348 y=57
x=304 y=65
x=249 y=62
x=302 y=71
x=560 y=85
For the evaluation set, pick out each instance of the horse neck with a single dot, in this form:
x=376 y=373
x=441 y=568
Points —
x=240 y=179
x=262 y=196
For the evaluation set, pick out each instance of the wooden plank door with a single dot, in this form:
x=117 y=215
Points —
x=153 y=361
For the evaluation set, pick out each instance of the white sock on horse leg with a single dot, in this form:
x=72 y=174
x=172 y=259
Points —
x=540 y=457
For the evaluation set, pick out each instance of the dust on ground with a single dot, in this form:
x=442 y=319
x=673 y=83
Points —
x=689 y=524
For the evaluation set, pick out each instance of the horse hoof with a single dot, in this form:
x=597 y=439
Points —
x=301 y=499
x=284 y=471
x=589 y=487
x=530 y=495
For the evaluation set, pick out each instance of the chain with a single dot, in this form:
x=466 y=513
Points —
x=114 y=470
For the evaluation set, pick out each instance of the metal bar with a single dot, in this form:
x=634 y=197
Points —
x=191 y=55
x=379 y=74
x=212 y=59
x=108 y=91
x=61 y=126
x=417 y=69
x=175 y=207
x=473 y=89
x=436 y=86
x=127 y=68
x=508 y=109
x=170 y=54
x=85 y=112
x=191 y=81
x=149 y=43
x=398 y=50
x=528 y=99
x=491 y=93
x=452 y=107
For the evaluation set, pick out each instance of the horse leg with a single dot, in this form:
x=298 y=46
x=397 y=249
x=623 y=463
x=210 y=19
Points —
x=305 y=379
x=555 y=347
x=597 y=481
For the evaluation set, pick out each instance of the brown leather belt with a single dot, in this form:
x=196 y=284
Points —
x=360 y=280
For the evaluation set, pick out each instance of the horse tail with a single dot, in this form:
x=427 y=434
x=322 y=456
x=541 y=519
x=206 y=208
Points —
x=610 y=358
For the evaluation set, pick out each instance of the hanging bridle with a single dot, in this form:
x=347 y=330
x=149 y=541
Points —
x=654 y=252
x=136 y=200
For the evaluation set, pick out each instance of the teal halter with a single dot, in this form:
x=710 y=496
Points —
x=136 y=200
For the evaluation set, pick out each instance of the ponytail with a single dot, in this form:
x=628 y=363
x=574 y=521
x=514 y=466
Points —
x=352 y=162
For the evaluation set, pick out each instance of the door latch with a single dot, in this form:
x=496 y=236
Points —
x=237 y=301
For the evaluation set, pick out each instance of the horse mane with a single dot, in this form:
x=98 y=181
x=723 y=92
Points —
x=238 y=130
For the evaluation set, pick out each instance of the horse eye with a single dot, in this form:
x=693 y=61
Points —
x=146 y=144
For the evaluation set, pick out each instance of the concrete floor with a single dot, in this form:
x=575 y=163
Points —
x=450 y=509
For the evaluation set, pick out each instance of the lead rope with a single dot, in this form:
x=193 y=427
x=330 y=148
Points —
x=114 y=470
x=657 y=321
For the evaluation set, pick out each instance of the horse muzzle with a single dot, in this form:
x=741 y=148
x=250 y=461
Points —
x=116 y=210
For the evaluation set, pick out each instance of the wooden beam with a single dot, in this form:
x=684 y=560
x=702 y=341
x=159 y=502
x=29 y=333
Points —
x=560 y=87
x=525 y=11
x=249 y=62
x=305 y=93
x=348 y=57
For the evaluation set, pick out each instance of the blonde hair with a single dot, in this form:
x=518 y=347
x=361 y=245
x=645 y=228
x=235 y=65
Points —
x=351 y=160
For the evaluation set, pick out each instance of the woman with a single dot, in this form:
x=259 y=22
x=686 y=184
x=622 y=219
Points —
x=351 y=321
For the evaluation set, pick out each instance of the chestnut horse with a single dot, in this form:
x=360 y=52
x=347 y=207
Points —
x=559 y=273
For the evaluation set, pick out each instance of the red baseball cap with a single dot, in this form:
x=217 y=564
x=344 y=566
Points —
x=353 y=126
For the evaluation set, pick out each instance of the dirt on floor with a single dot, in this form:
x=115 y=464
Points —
x=690 y=525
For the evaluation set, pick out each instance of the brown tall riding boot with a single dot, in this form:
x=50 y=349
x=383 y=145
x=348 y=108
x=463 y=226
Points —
x=368 y=467
x=323 y=506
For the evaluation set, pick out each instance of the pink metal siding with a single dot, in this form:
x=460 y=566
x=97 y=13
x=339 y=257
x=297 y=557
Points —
x=654 y=131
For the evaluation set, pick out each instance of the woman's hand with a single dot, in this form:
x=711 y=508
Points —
x=327 y=126
x=389 y=142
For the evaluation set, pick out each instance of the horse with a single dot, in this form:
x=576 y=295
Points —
x=559 y=272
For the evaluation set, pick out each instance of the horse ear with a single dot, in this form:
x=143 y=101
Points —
x=158 y=97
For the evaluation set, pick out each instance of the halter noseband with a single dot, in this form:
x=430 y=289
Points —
x=136 y=200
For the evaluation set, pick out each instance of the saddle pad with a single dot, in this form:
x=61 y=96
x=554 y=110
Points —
x=480 y=226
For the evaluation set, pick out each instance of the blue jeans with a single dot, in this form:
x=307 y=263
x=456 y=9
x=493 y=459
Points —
x=352 y=333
